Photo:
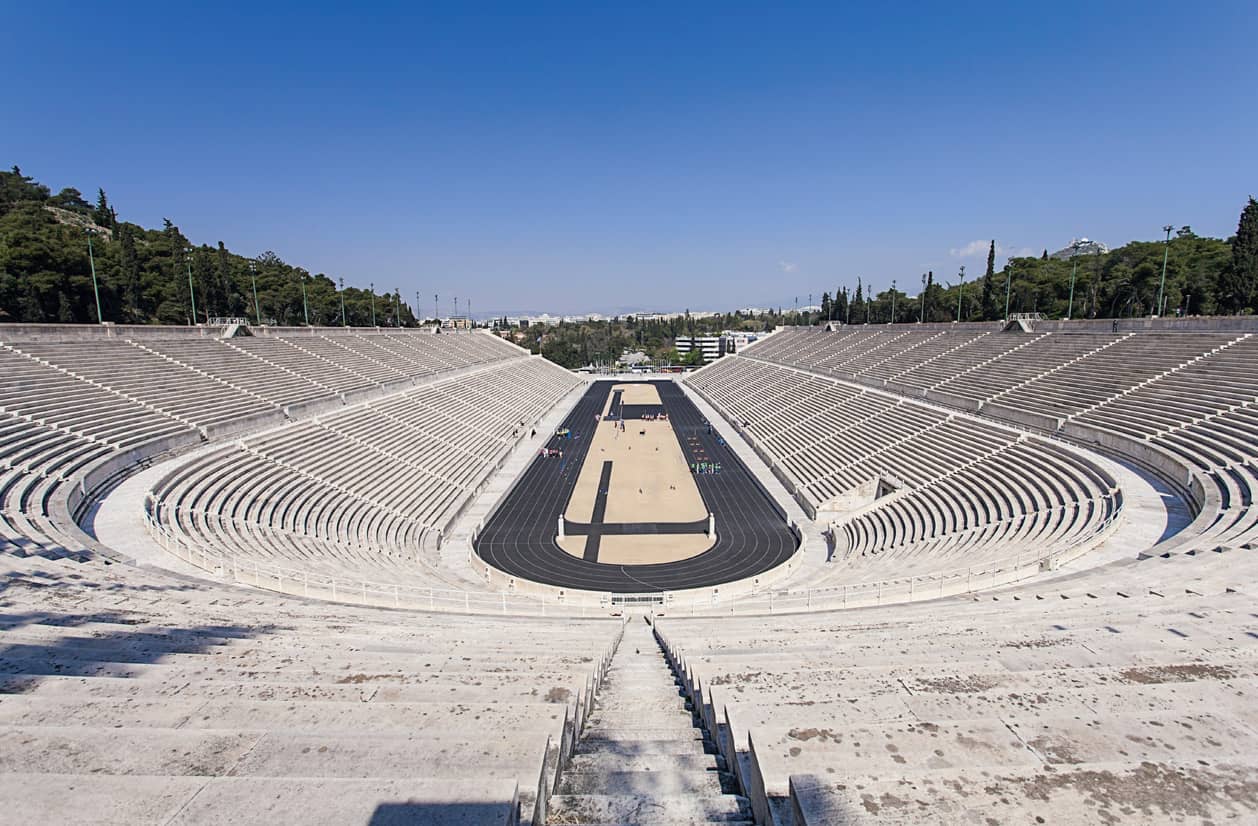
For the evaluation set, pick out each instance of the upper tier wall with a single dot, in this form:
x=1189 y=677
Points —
x=92 y=332
x=1195 y=324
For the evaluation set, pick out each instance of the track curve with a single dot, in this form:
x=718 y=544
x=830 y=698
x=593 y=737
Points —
x=752 y=532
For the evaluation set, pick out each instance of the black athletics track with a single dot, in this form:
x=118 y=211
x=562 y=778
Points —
x=751 y=530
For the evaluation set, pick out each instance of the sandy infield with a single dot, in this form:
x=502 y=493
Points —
x=651 y=481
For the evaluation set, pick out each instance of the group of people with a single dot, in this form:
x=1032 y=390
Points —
x=654 y=417
x=551 y=453
x=705 y=468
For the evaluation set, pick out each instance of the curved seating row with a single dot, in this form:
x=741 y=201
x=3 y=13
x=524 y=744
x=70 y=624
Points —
x=1027 y=500
x=970 y=492
x=361 y=491
x=75 y=403
x=1180 y=402
x=1167 y=399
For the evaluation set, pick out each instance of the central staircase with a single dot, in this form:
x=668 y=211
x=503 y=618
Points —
x=644 y=757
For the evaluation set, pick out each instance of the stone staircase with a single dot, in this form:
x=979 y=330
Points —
x=644 y=757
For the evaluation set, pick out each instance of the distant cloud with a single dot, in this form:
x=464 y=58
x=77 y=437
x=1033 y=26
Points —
x=972 y=249
x=978 y=249
x=787 y=266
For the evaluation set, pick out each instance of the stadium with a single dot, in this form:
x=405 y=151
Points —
x=940 y=572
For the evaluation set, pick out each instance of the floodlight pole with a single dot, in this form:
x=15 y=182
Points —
x=418 y=312
x=342 y=292
x=187 y=260
x=91 y=257
x=373 y=304
x=892 y=321
x=397 y=306
x=305 y=305
x=1165 y=252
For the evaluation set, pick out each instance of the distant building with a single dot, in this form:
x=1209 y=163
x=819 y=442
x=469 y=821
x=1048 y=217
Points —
x=456 y=323
x=636 y=358
x=1079 y=246
x=712 y=347
x=738 y=339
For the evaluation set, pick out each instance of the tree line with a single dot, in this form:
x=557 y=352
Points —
x=575 y=344
x=1203 y=276
x=50 y=243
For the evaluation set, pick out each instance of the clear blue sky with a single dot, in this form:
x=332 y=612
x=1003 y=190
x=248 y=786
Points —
x=585 y=156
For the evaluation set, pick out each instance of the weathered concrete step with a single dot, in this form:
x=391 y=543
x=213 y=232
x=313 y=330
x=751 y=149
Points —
x=648 y=686
x=604 y=762
x=645 y=719
x=241 y=640
x=679 y=728
x=640 y=667
x=278 y=715
x=84 y=750
x=644 y=783
x=674 y=703
x=41 y=663
x=78 y=798
x=401 y=688
x=631 y=748
x=677 y=734
x=434 y=689
x=668 y=810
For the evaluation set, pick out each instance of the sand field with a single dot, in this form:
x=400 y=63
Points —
x=650 y=482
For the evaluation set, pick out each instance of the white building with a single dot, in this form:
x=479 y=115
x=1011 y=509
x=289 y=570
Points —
x=1079 y=246
x=738 y=339
x=712 y=347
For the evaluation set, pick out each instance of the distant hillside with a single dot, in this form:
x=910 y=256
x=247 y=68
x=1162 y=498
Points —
x=143 y=274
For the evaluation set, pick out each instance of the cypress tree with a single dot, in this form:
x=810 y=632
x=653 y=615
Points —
x=102 y=216
x=129 y=267
x=990 y=310
x=1238 y=283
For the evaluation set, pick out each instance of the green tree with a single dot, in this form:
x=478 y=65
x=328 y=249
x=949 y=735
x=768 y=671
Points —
x=70 y=198
x=991 y=308
x=1239 y=281
x=102 y=216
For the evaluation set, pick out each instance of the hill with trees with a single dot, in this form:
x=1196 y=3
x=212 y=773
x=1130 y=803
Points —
x=48 y=244
x=1204 y=276
x=143 y=275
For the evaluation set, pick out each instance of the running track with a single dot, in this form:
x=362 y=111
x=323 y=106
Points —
x=752 y=533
